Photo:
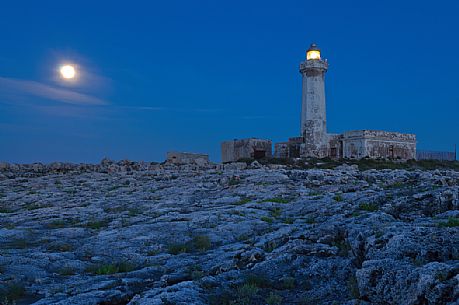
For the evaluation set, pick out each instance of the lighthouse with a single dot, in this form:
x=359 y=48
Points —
x=313 y=112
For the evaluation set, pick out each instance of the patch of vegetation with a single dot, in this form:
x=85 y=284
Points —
x=134 y=212
x=338 y=198
x=355 y=214
x=114 y=187
x=235 y=212
x=441 y=276
x=369 y=207
x=258 y=280
x=234 y=181
x=66 y=271
x=107 y=269
x=247 y=292
x=288 y=220
x=6 y=210
x=61 y=247
x=343 y=247
x=353 y=287
x=243 y=201
x=269 y=246
x=452 y=222
x=395 y=185
x=9 y=225
x=11 y=292
x=314 y=193
x=61 y=223
x=195 y=272
x=199 y=243
x=33 y=206
x=153 y=252
x=177 y=248
x=288 y=282
x=273 y=299
x=18 y=243
x=97 y=224
x=310 y=220
x=276 y=200
x=243 y=237
x=267 y=219
x=276 y=212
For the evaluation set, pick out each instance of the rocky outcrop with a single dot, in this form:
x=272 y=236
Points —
x=146 y=233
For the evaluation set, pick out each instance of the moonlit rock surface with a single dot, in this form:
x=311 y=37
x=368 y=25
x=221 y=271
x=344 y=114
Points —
x=143 y=233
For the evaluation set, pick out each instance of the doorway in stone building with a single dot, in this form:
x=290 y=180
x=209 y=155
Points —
x=259 y=154
x=391 y=151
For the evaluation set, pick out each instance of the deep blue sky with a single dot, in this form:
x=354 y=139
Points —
x=186 y=75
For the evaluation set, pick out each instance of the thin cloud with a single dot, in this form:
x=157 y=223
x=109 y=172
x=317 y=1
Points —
x=169 y=109
x=9 y=88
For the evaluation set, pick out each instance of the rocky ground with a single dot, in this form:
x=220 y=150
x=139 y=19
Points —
x=141 y=233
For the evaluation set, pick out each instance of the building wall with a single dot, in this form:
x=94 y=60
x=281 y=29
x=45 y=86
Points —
x=252 y=148
x=379 y=144
x=354 y=148
x=186 y=158
x=436 y=155
x=291 y=149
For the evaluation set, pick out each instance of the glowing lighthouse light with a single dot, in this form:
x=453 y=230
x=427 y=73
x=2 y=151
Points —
x=313 y=52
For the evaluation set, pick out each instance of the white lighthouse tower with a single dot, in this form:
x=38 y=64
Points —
x=313 y=116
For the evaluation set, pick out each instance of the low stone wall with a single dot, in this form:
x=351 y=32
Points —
x=436 y=155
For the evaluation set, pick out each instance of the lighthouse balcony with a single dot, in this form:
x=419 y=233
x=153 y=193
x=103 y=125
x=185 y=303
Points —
x=314 y=64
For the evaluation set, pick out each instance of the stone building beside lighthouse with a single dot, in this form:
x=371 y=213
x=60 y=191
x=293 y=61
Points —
x=314 y=139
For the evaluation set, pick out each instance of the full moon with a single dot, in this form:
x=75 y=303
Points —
x=68 y=71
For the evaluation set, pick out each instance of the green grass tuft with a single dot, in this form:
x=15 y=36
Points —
x=273 y=299
x=452 y=222
x=97 y=224
x=267 y=219
x=276 y=212
x=199 y=243
x=243 y=201
x=11 y=292
x=338 y=198
x=369 y=207
x=276 y=200
x=111 y=268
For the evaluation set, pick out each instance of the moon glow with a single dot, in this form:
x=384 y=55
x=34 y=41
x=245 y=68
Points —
x=68 y=71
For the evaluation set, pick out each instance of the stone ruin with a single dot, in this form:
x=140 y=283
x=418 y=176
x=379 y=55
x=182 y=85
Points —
x=174 y=157
x=252 y=148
